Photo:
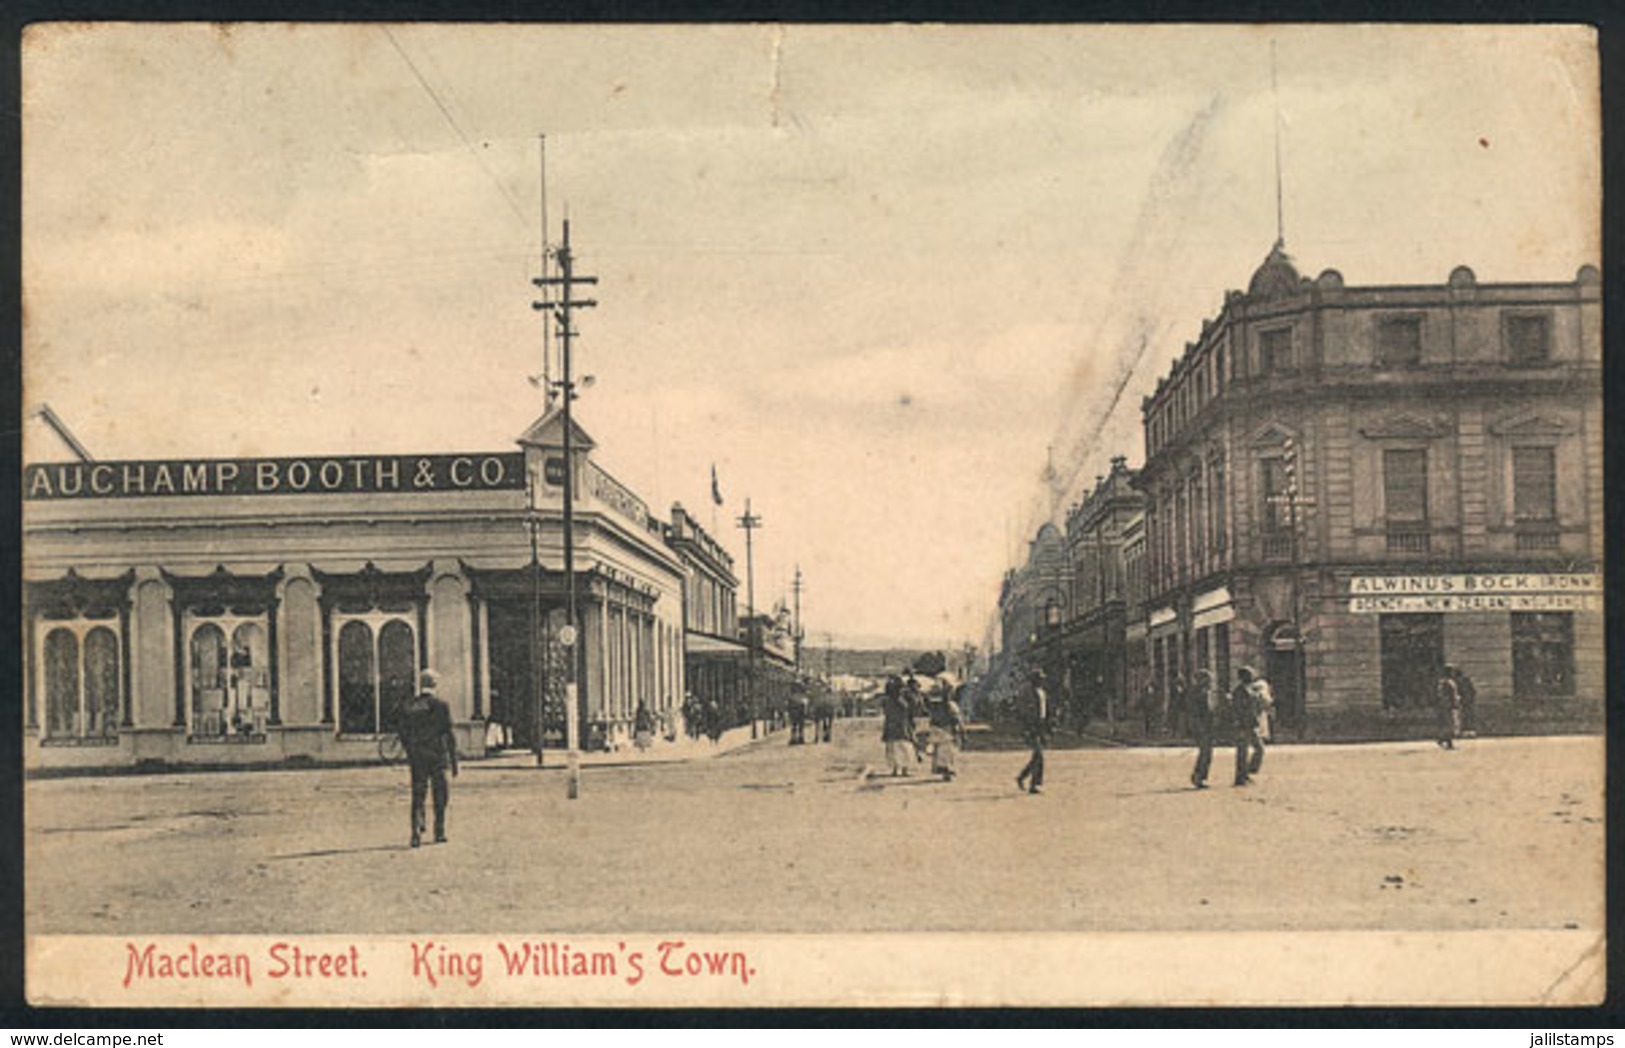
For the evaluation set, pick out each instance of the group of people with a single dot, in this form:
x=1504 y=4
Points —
x=917 y=722
x=1244 y=713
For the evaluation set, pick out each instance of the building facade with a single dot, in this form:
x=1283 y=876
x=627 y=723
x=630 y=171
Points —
x=1349 y=487
x=246 y=611
x=715 y=660
x=1094 y=634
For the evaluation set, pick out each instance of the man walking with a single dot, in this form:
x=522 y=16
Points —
x=1037 y=716
x=1447 y=706
x=430 y=749
x=1246 y=705
x=1469 y=701
x=1202 y=717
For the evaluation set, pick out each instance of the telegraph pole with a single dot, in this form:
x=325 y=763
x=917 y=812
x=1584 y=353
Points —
x=796 y=588
x=562 y=308
x=750 y=522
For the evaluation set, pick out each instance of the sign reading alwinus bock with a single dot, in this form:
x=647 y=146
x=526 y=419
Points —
x=1489 y=591
x=315 y=475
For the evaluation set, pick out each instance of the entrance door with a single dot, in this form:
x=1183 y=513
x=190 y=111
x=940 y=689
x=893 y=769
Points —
x=526 y=674
x=1412 y=657
x=1283 y=668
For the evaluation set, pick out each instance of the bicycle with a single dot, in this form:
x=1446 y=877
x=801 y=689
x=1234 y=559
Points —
x=390 y=748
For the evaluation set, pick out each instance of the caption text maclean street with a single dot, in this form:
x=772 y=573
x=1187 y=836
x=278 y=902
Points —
x=433 y=964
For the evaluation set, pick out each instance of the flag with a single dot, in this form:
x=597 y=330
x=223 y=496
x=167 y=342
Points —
x=716 y=489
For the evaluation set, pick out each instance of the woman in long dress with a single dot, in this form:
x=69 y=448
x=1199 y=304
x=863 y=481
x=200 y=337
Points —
x=947 y=732
x=897 y=728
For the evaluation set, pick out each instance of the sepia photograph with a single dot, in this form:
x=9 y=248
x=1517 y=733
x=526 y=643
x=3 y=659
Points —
x=783 y=515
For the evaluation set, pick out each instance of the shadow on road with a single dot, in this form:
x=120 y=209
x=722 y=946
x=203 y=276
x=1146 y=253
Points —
x=342 y=851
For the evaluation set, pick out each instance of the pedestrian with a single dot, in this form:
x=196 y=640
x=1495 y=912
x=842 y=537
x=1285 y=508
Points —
x=713 y=720
x=823 y=712
x=1244 y=713
x=643 y=727
x=1037 y=721
x=1447 y=706
x=1204 y=717
x=1148 y=705
x=1265 y=697
x=947 y=732
x=1176 y=705
x=1469 y=702
x=431 y=748
x=798 y=713
x=896 y=728
x=693 y=717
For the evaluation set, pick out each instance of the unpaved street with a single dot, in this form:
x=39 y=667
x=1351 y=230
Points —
x=1499 y=834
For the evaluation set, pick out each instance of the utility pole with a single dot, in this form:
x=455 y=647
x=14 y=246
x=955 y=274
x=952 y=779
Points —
x=562 y=308
x=750 y=522
x=796 y=588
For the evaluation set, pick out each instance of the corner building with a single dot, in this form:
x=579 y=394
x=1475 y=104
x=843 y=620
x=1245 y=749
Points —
x=252 y=611
x=1349 y=487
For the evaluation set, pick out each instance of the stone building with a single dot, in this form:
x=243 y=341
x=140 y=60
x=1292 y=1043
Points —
x=247 y=611
x=714 y=656
x=1094 y=633
x=1349 y=487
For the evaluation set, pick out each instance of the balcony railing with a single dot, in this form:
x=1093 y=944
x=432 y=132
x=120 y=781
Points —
x=1277 y=545
x=1541 y=535
x=1407 y=538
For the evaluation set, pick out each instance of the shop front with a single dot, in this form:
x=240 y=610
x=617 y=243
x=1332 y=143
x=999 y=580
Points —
x=267 y=611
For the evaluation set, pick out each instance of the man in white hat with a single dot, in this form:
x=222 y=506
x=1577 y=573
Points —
x=430 y=749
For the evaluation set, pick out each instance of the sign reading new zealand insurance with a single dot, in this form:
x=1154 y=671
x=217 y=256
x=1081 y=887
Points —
x=1489 y=591
x=320 y=475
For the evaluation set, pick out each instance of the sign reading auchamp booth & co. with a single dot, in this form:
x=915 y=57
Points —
x=311 y=475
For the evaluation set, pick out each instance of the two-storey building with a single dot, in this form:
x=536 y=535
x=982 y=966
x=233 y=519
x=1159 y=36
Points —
x=1349 y=487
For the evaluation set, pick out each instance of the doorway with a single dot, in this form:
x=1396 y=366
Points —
x=526 y=676
x=1412 y=657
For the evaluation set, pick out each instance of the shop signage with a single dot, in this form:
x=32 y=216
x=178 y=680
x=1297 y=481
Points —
x=1490 y=591
x=320 y=475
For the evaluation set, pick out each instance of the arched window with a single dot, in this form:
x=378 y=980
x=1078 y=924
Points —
x=208 y=680
x=82 y=677
x=357 y=710
x=61 y=683
x=250 y=679
x=377 y=659
x=101 y=682
x=397 y=672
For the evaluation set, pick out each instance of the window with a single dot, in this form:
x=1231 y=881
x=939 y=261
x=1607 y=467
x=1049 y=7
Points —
x=1412 y=656
x=1405 y=485
x=229 y=673
x=377 y=663
x=1542 y=654
x=1534 y=484
x=1218 y=368
x=82 y=679
x=1399 y=342
x=1528 y=339
x=1275 y=351
x=1272 y=481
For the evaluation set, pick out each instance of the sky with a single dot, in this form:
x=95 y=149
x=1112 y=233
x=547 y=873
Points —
x=877 y=276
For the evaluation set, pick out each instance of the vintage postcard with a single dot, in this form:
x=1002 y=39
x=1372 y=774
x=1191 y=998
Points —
x=783 y=515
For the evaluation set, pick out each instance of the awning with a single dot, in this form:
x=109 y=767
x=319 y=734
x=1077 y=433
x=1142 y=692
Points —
x=704 y=644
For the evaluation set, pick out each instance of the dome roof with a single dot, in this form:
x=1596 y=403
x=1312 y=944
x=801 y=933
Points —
x=1277 y=276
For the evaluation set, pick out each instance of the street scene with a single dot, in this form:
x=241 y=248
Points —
x=823 y=481
x=1501 y=834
